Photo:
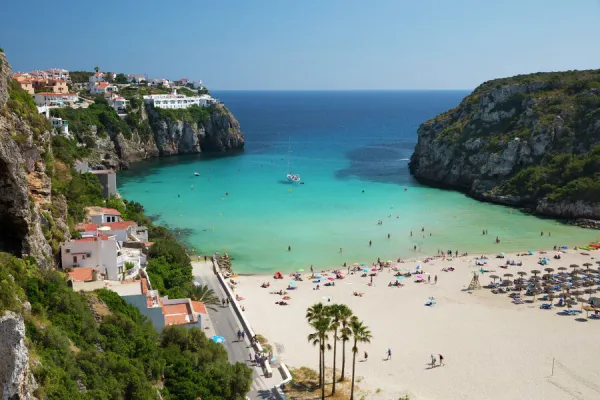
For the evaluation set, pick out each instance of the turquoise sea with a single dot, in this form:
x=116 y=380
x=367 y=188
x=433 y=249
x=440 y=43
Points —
x=351 y=150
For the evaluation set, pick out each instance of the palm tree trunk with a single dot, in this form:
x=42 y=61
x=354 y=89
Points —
x=353 y=368
x=320 y=363
x=334 y=350
x=323 y=378
x=343 y=359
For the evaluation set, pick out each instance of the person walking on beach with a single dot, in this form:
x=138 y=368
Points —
x=239 y=335
x=435 y=280
x=433 y=360
x=441 y=360
x=366 y=356
x=389 y=354
x=227 y=301
x=223 y=302
x=429 y=279
x=243 y=335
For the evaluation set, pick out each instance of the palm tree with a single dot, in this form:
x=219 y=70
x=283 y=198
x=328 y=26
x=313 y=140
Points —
x=206 y=295
x=337 y=313
x=361 y=334
x=321 y=327
x=96 y=68
x=345 y=335
x=313 y=314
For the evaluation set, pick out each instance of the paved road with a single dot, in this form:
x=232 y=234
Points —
x=226 y=324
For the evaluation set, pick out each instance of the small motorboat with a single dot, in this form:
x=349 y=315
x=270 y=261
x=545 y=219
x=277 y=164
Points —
x=196 y=173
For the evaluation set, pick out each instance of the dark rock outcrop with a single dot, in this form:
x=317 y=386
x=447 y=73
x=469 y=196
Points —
x=16 y=379
x=24 y=186
x=508 y=140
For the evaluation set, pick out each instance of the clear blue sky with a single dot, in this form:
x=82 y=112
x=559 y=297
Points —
x=308 y=44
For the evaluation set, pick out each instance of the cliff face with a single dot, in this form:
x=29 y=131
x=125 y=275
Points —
x=16 y=378
x=25 y=188
x=219 y=132
x=528 y=141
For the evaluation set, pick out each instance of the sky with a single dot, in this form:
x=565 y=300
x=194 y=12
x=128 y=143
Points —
x=308 y=44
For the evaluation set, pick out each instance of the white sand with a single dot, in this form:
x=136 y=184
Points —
x=493 y=349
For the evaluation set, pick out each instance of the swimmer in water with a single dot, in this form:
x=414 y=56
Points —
x=289 y=248
x=370 y=243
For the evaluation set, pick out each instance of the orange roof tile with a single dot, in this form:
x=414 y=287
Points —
x=81 y=274
x=57 y=94
x=86 y=227
x=144 y=285
x=176 y=320
x=119 y=225
x=110 y=211
x=103 y=85
x=199 y=307
x=173 y=309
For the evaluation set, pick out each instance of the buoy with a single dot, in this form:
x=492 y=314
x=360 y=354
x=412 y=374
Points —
x=290 y=190
x=221 y=214
x=226 y=193
x=180 y=215
x=222 y=198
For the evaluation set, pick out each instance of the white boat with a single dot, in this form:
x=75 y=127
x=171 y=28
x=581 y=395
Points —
x=295 y=178
x=197 y=173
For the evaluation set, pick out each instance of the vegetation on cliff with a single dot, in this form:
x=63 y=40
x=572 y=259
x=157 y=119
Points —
x=96 y=346
x=526 y=138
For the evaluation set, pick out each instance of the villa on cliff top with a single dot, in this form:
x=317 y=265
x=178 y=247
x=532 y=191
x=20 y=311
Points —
x=175 y=100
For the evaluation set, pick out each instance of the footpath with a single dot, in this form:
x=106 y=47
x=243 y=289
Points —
x=226 y=323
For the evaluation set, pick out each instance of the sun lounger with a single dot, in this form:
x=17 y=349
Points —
x=546 y=306
x=518 y=301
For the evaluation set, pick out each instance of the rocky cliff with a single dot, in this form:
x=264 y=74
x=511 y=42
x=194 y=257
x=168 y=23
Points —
x=25 y=187
x=530 y=141
x=218 y=130
x=16 y=378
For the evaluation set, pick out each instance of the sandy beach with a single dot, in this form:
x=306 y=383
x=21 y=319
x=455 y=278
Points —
x=492 y=348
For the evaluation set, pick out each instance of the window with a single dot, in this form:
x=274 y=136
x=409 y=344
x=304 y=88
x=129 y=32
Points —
x=74 y=259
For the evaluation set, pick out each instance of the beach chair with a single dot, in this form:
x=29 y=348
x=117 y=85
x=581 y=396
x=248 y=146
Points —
x=595 y=316
x=430 y=303
x=546 y=306
x=570 y=312
x=518 y=300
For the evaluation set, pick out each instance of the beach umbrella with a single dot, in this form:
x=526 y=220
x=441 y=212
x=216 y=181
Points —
x=573 y=266
x=598 y=262
x=530 y=252
x=292 y=283
x=521 y=273
x=286 y=298
x=399 y=277
x=501 y=254
x=365 y=270
x=319 y=276
x=508 y=275
x=389 y=261
x=587 y=265
x=562 y=268
x=356 y=265
x=419 y=276
x=301 y=270
x=331 y=279
x=536 y=271
x=548 y=270
x=218 y=339
x=494 y=277
x=587 y=309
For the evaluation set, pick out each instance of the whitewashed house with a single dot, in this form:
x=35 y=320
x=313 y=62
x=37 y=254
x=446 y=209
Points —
x=136 y=78
x=160 y=81
x=60 y=125
x=55 y=99
x=99 y=252
x=101 y=215
x=103 y=88
x=175 y=100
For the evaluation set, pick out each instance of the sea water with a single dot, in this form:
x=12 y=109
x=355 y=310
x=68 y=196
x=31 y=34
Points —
x=351 y=150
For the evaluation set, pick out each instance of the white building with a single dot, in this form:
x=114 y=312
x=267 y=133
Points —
x=175 y=100
x=60 y=124
x=160 y=81
x=101 y=215
x=55 y=99
x=197 y=85
x=99 y=252
x=58 y=73
x=97 y=77
x=118 y=103
x=103 y=88
x=136 y=78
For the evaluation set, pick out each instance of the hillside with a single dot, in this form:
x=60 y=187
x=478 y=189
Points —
x=56 y=343
x=531 y=140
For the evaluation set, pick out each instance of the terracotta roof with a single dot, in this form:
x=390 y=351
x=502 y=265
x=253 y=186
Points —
x=119 y=225
x=199 y=307
x=81 y=274
x=99 y=74
x=102 y=210
x=176 y=320
x=103 y=85
x=86 y=227
x=57 y=94
x=93 y=238
x=144 y=286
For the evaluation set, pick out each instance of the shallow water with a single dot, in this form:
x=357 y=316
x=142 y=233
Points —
x=352 y=150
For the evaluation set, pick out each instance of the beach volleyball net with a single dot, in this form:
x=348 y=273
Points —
x=573 y=383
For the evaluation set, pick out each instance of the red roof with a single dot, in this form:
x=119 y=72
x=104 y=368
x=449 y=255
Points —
x=99 y=74
x=117 y=226
x=93 y=238
x=57 y=94
x=199 y=307
x=81 y=274
x=86 y=227
x=144 y=286
x=110 y=211
x=177 y=314
x=103 y=85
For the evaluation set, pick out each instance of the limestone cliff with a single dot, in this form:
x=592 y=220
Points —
x=25 y=187
x=16 y=378
x=531 y=141
x=218 y=131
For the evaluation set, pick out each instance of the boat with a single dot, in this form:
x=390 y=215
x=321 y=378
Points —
x=291 y=177
x=197 y=173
